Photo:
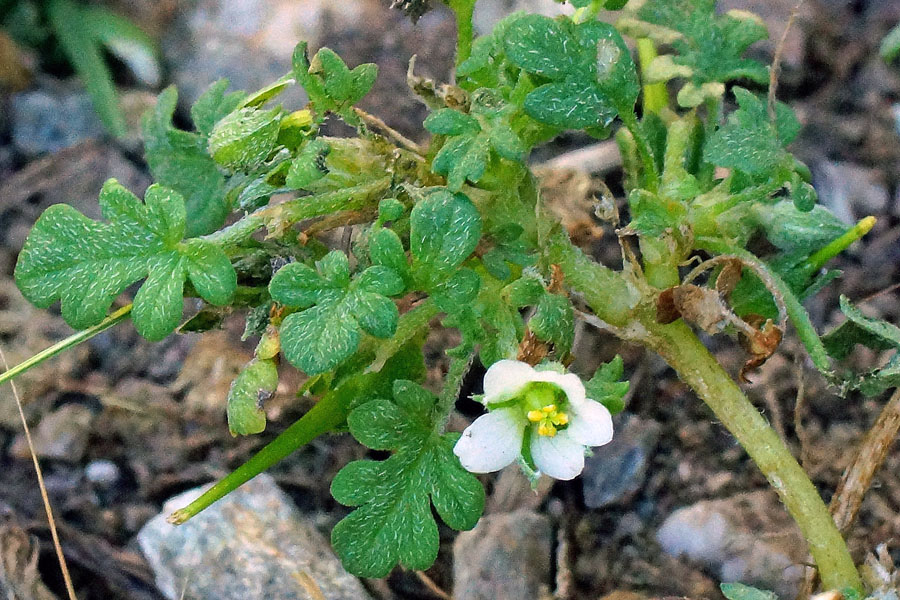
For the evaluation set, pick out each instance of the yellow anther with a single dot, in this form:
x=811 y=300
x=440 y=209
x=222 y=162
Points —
x=535 y=416
x=549 y=409
x=546 y=429
x=560 y=419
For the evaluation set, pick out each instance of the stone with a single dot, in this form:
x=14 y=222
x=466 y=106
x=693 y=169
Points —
x=248 y=41
x=747 y=538
x=252 y=544
x=61 y=434
x=51 y=118
x=616 y=471
x=507 y=556
x=102 y=473
x=851 y=191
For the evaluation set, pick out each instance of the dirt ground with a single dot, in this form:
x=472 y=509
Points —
x=156 y=410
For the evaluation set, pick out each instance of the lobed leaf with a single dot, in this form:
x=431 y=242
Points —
x=86 y=264
x=394 y=523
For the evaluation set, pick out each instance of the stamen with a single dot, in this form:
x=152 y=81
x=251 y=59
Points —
x=549 y=409
x=546 y=429
x=535 y=416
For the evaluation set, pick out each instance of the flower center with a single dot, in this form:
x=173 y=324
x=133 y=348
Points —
x=544 y=403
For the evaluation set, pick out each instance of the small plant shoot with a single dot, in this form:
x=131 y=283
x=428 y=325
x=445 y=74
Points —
x=454 y=234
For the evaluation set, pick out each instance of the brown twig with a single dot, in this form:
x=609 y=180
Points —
x=63 y=566
x=871 y=454
x=857 y=478
x=405 y=142
x=775 y=71
x=434 y=588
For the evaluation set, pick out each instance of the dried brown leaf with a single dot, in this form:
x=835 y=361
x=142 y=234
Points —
x=19 y=577
x=729 y=277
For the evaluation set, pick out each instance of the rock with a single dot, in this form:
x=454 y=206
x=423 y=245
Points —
x=252 y=544
x=747 y=538
x=505 y=557
x=102 y=473
x=61 y=434
x=248 y=41
x=487 y=14
x=850 y=191
x=617 y=470
x=52 y=118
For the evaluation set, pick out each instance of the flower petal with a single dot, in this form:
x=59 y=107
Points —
x=506 y=377
x=590 y=424
x=490 y=443
x=559 y=456
x=569 y=382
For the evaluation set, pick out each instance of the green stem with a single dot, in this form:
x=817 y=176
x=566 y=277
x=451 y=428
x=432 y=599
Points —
x=656 y=96
x=453 y=382
x=818 y=260
x=327 y=414
x=464 y=9
x=651 y=177
x=63 y=345
x=587 y=13
x=678 y=345
x=607 y=292
x=281 y=216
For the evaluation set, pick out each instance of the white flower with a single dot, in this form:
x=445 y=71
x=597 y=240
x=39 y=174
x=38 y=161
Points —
x=542 y=413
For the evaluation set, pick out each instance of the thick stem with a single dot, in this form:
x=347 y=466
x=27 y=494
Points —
x=678 y=345
x=656 y=96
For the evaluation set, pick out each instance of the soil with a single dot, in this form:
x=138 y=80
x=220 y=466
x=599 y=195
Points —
x=156 y=410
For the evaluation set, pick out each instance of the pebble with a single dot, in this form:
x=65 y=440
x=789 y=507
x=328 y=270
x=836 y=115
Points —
x=48 y=120
x=507 y=556
x=253 y=544
x=746 y=538
x=104 y=473
x=616 y=471
x=61 y=434
x=851 y=191
x=248 y=41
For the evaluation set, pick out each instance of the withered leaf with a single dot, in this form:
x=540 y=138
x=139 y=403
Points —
x=761 y=345
x=729 y=277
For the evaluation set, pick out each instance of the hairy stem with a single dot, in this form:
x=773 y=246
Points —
x=464 y=31
x=459 y=366
x=63 y=345
x=678 y=345
x=656 y=97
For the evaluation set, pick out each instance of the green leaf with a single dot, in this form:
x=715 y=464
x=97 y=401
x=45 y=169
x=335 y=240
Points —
x=330 y=84
x=794 y=231
x=309 y=165
x=179 y=159
x=554 y=321
x=444 y=230
x=709 y=47
x=86 y=264
x=385 y=248
x=591 y=72
x=459 y=290
x=739 y=591
x=80 y=45
x=394 y=522
x=322 y=337
x=126 y=41
x=860 y=329
x=447 y=121
x=749 y=141
x=606 y=388
x=465 y=154
x=256 y=382
x=212 y=106
x=245 y=138
x=890 y=44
